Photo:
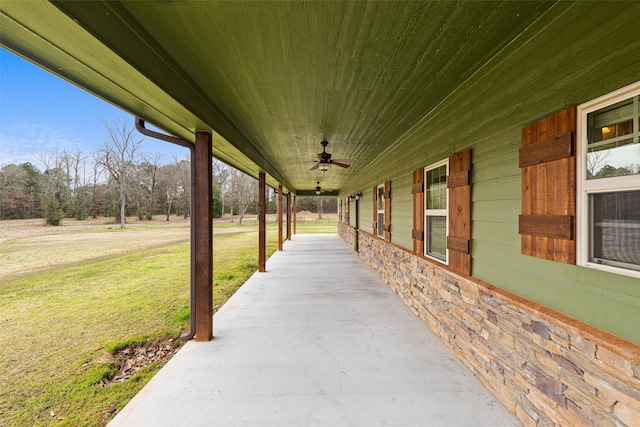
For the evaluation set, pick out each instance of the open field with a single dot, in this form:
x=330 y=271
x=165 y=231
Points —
x=28 y=246
x=71 y=295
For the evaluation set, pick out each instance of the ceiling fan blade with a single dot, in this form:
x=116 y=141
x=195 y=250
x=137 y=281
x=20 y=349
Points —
x=342 y=165
x=347 y=161
x=314 y=167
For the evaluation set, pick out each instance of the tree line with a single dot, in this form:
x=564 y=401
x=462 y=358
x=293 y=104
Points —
x=118 y=180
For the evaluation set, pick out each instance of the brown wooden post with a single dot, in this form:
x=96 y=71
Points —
x=294 y=214
x=288 y=216
x=262 y=225
x=279 y=217
x=203 y=212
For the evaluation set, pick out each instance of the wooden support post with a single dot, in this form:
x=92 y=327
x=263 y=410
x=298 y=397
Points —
x=203 y=212
x=288 y=216
x=294 y=214
x=279 y=217
x=357 y=227
x=262 y=224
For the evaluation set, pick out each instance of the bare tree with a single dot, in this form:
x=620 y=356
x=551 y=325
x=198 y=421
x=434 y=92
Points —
x=54 y=183
x=118 y=155
x=152 y=164
x=96 y=173
x=167 y=183
x=73 y=164
x=183 y=178
x=137 y=186
x=319 y=204
x=244 y=191
x=596 y=160
x=220 y=178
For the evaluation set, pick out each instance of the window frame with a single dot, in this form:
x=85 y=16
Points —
x=587 y=187
x=380 y=224
x=436 y=212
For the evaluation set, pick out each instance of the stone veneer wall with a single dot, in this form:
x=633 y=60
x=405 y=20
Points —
x=347 y=233
x=546 y=367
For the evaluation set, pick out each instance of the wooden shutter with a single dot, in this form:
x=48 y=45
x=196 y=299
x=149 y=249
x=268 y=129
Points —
x=387 y=211
x=459 y=237
x=417 y=233
x=548 y=162
x=375 y=211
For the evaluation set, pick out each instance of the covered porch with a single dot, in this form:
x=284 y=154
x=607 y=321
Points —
x=490 y=250
x=317 y=340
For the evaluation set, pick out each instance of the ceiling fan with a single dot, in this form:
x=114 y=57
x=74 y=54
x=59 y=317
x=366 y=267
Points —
x=324 y=159
x=319 y=189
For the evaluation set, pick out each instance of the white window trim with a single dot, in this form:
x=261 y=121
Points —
x=347 y=210
x=379 y=211
x=435 y=212
x=586 y=187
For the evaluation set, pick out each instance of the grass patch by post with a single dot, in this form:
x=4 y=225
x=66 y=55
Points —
x=58 y=324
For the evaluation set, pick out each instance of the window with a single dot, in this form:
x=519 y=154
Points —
x=380 y=211
x=347 y=203
x=435 y=212
x=608 y=169
x=381 y=225
x=442 y=211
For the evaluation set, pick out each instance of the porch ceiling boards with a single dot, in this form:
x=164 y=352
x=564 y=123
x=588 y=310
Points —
x=272 y=79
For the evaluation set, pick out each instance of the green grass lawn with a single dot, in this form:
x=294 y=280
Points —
x=304 y=225
x=314 y=226
x=57 y=324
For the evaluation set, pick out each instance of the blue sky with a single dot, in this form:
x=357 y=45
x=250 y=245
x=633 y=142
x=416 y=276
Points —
x=40 y=112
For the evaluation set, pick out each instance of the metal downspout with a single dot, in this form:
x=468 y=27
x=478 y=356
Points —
x=172 y=139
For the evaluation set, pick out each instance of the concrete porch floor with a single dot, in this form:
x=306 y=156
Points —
x=317 y=340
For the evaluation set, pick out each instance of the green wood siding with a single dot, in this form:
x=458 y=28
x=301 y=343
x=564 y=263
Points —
x=402 y=211
x=366 y=209
x=574 y=53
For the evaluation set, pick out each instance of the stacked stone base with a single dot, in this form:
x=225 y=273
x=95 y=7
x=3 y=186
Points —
x=547 y=368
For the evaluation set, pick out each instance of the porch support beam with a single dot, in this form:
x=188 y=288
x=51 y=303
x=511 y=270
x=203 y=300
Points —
x=262 y=225
x=357 y=227
x=288 y=216
x=203 y=213
x=279 y=217
x=295 y=200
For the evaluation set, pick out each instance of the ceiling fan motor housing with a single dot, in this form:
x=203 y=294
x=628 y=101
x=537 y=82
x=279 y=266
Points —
x=324 y=156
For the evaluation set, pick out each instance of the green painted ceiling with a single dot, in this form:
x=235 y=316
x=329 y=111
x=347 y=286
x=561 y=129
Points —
x=271 y=79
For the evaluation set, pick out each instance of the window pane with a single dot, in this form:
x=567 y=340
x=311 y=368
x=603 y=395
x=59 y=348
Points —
x=381 y=224
x=613 y=148
x=615 y=224
x=437 y=237
x=380 y=198
x=436 y=188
